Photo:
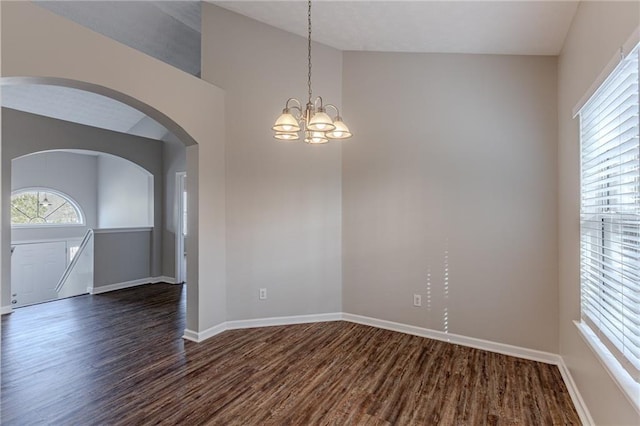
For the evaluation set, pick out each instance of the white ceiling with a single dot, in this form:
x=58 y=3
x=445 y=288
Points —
x=81 y=107
x=494 y=27
x=170 y=31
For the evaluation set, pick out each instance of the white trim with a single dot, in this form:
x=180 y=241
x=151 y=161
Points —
x=622 y=53
x=47 y=225
x=133 y=283
x=118 y=286
x=502 y=348
x=191 y=336
x=179 y=246
x=273 y=321
x=629 y=387
x=198 y=337
x=472 y=342
x=117 y=230
x=150 y=200
x=162 y=279
x=457 y=339
x=46 y=240
x=4 y=310
x=574 y=393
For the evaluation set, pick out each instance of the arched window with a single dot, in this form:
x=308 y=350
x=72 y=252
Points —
x=42 y=207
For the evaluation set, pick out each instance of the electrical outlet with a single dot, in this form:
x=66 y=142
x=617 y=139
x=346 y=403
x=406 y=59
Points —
x=263 y=294
x=417 y=300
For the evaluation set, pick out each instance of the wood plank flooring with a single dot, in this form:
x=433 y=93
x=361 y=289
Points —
x=119 y=359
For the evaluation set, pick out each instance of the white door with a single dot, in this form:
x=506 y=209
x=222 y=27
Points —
x=35 y=272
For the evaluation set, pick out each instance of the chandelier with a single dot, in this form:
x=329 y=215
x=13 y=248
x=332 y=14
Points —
x=317 y=126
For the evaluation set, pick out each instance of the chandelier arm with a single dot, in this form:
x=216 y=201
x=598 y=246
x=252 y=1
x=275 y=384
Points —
x=299 y=106
x=298 y=116
x=334 y=107
x=315 y=102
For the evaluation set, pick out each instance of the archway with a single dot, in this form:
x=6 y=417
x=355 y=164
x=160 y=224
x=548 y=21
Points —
x=27 y=136
x=52 y=50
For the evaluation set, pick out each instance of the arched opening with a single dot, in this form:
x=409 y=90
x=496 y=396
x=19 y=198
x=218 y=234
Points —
x=111 y=216
x=53 y=51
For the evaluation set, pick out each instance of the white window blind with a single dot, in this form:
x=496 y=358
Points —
x=610 y=214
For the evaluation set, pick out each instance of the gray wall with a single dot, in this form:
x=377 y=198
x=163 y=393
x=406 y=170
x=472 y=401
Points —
x=597 y=32
x=71 y=173
x=125 y=194
x=121 y=256
x=24 y=133
x=449 y=191
x=283 y=199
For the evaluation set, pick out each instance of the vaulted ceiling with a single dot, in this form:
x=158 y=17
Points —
x=493 y=27
x=170 y=31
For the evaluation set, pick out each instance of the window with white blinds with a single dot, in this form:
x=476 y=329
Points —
x=610 y=214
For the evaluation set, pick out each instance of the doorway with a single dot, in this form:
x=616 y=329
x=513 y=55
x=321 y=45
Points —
x=181 y=227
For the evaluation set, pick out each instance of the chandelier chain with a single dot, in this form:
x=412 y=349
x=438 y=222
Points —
x=313 y=119
x=309 y=50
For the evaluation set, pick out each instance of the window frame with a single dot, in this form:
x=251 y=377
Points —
x=591 y=332
x=73 y=203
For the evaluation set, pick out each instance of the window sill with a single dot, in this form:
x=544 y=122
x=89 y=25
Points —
x=630 y=388
x=119 y=230
x=48 y=225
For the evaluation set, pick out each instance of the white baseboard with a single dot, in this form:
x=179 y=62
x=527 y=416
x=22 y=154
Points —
x=132 y=283
x=457 y=339
x=578 y=402
x=273 y=321
x=4 y=310
x=162 y=279
x=119 y=286
x=516 y=351
x=198 y=337
x=501 y=348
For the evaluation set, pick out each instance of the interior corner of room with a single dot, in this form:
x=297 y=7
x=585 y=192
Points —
x=452 y=213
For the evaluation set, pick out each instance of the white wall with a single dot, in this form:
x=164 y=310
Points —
x=599 y=29
x=71 y=173
x=283 y=199
x=449 y=191
x=125 y=194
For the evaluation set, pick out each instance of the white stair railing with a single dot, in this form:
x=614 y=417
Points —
x=79 y=274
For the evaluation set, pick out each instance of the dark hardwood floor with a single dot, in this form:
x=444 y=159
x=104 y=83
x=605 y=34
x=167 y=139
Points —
x=118 y=358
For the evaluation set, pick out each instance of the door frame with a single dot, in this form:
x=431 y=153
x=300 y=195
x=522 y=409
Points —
x=180 y=187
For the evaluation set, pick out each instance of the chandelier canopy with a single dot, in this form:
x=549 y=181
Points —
x=313 y=121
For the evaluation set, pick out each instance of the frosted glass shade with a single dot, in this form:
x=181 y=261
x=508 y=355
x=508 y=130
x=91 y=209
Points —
x=320 y=122
x=286 y=123
x=315 y=137
x=287 y=136
x=340 y=132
